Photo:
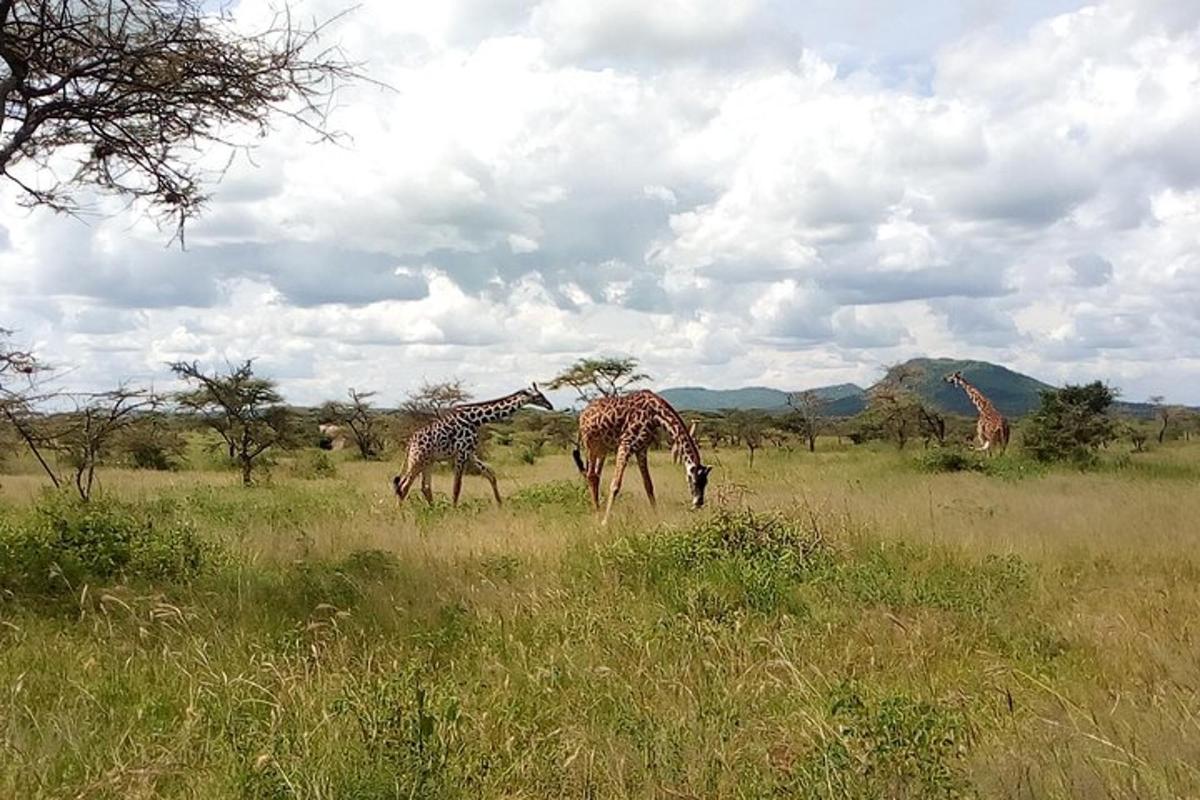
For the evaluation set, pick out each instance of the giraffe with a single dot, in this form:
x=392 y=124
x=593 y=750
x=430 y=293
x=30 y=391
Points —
x=677 y=444
x=626 y=425
x=455 y=436
x=991 y=428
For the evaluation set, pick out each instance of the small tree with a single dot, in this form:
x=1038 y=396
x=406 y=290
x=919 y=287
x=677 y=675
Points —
x=1071 y=424
x=134 y=92
x=360 y=417
x=1166 y=415
x=599 y=377
x=87 y=436
x=152 y=441
x=804 y=418
x=432 y=400
x=246 y=411
x=749 y=427
x=18 y=395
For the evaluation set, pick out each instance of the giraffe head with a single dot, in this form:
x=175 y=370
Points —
x=534 y=397
x=955 y=378
x=697 y=477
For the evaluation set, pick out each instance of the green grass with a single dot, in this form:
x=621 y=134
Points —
x=845 y=624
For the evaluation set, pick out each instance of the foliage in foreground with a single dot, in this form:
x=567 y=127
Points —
x=62 y=544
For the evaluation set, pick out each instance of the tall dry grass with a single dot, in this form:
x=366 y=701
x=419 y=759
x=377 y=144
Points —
x=870 y=630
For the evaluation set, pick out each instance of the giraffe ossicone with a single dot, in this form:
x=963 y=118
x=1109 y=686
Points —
x=625 y=425
x=454 y=436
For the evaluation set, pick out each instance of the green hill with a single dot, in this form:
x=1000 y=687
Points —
x=696 y=398
x=1013 y=393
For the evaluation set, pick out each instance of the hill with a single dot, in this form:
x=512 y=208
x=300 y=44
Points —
x=1014 y=393
x=696 y=398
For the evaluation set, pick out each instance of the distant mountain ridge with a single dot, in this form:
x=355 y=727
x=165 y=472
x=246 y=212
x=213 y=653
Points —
x=1013 y=393
x=697 y=398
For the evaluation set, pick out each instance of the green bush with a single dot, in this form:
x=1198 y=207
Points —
x=314 y=465
x=62 y=544
x=730 y=560
x=1071 y=424
x=568 y=495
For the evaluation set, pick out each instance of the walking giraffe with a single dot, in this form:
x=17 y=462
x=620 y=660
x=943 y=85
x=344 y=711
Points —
x=626 y=425
x=991 y=429
x=455 y=436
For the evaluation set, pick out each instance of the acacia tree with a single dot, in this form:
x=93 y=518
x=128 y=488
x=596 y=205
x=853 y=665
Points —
x=749 y=427
x=600 y=377
x=1071 y=423
x=18 y=371
x=83 y=438
x=134 y=92
x=804 y=418
x=431 y=400
x=360 y=417
x=1165 y=414
x=246 y=411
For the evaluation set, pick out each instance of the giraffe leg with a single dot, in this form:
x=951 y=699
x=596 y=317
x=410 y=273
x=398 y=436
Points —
x=594 y=470
x=490 y=475
x=618 y=476
x=457 y=487
x=644 y=466
x=427 y=484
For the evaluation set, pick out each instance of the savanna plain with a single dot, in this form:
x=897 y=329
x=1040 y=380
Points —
x=844 y=623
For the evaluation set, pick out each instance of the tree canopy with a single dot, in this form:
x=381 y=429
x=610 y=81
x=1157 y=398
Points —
x=127 y=97
x=600 y=377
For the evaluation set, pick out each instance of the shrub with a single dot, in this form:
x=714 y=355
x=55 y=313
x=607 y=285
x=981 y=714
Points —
x=733 y=559
x=569 y=495
x=313 y=465
x=1072 y=423
x=63 y=543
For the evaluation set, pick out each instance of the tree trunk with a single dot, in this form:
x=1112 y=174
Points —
x=247 y=466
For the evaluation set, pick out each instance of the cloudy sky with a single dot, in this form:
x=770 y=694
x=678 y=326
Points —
x=735 y=191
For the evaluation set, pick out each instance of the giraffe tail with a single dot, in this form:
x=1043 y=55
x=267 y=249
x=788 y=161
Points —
x=575 y=454
x=396 y=482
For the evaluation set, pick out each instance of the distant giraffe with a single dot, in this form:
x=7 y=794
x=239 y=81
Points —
x=991 y=430
x=677 y=444
x=454 y=436
x=626 y=425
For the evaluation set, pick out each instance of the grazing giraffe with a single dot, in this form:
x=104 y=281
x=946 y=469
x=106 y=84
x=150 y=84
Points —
x=992 y=428
x=626 y=425
x=677 y=444
x=455 y=436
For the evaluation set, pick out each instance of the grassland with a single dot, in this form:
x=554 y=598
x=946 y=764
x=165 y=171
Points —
x=838 y=624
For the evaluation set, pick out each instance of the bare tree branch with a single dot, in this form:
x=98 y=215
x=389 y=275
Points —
x=136 y=92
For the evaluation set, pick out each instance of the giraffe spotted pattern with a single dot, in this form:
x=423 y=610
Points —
x=991 y=429
x=626 y=425
x=454 y=437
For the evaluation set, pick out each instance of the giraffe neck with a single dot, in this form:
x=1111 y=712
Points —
x=982 y=404
x=670 y=419
x=490 y=410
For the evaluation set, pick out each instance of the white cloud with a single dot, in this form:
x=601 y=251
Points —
x=685 y=182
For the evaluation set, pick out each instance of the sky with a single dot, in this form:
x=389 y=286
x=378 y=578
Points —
x=735 y=192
